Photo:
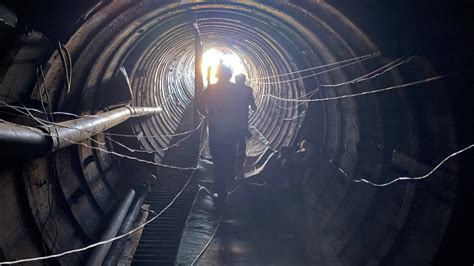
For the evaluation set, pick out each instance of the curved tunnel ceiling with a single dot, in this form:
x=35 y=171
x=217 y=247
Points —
x=154 y=41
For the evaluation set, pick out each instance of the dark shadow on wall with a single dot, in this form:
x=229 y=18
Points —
x=55 y=18
x=442 y=32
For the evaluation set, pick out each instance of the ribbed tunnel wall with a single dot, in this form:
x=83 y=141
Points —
x=162 y=63
x=346 y=223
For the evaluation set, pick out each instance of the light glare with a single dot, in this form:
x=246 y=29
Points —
x=212 y=57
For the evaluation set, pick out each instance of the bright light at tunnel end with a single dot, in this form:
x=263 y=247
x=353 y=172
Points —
x=212 y=57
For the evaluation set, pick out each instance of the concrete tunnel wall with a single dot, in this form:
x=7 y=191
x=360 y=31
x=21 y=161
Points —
x=345 y=223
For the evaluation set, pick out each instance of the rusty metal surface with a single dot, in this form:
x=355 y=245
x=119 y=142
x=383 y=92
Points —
x=103 y=192
x=17 y=141
x=22 y=73
x=117 y=248
x=115 y=222
x=51 y=217
x=17 y=237
x=154 y=41
x=82 y=205
x=30 y=142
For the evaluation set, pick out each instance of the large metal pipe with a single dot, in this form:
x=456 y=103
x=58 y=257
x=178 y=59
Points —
x=17 y=141
x=116 y=221
x=117 y=246
x=27 y=142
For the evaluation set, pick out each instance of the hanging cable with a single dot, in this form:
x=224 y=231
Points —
x=366 y=92
x=65 y=66
x=380 y=71
x=114 y=238
x=408 y=178
x=209 y=241
x=319 y=67
x=313 y=74
x=109 y=152
x=50 y=198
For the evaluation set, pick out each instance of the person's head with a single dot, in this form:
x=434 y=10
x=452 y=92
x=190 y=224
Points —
x=240 y=79
x=224 y=73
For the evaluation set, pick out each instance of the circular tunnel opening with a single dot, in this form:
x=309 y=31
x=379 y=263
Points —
x=161 y=65
x=212 y=57
x=293 y=54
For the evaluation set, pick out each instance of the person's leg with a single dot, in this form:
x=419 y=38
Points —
x=220 y=174
x=223 y=151
x=241 y=154
x=212 y=143
x=223 y=155
x=229 y=156
x=241 y=150
x=220 y=177
x=232 y=161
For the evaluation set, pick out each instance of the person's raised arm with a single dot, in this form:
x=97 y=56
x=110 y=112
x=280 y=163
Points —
x=208 y=76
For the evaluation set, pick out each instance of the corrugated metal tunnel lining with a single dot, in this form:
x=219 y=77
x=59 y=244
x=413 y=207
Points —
x=155 y=43
x=163 y=64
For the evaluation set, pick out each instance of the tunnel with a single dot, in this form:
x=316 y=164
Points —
x=381 y=91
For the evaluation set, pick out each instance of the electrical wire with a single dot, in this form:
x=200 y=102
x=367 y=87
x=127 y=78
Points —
x=176 y=144
x=69 y=61
x=65 y=66
x=107 y=151
x=114 y=238
x=267 y=143
x=50 y=198
x=321 y=66
x=373 y=74
x=310 y=75
x=222 y=214
x=265 y=140
x=305 y=96
x=45 y=122
x=210 y=240
x=365 y=92
x=408 y=178
x=379 y=71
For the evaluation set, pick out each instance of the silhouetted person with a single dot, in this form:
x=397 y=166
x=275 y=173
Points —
x=243 y=120
x=222 y=102
x=208 y=78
